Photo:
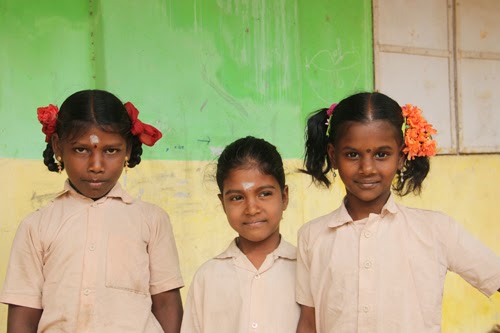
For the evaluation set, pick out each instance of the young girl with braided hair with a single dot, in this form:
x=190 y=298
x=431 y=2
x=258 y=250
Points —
x=373 y=265
x=94 y=259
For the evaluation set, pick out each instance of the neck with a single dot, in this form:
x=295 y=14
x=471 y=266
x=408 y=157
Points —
x=359 y=210
x=257 y=252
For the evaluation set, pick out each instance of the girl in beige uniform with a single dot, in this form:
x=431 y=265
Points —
x=373 y=265
x=94 y=259
x=250 y=286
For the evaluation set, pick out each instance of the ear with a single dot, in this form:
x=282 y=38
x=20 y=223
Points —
x=330 y=150
x=221 y=198
x=284 y=197
x=128 y=152
x=56 y=145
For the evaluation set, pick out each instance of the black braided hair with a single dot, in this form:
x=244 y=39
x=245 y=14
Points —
x=88 y=108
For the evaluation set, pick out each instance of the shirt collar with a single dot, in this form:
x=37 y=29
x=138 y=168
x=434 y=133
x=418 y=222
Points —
x=341 y=216
x=284 y=250
x=116 y=192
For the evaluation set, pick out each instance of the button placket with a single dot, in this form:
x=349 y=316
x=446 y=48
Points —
x=367 y=274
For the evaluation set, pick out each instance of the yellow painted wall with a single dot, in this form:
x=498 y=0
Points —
x=466 y=187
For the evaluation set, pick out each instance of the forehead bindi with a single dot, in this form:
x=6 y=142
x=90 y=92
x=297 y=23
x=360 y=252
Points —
x=94 y=139
x=248 y=180
x=247 y=185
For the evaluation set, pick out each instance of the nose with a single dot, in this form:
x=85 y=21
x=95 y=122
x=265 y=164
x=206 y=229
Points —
x=367 y=166
x=96 y=163
x=252 y=206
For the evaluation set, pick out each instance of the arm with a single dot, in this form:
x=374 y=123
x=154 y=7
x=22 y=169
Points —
x=22 y=319
x=307 y=321
x=167 y=308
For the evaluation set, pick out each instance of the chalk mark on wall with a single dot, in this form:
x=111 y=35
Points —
x=222 y=93
x=207 y=141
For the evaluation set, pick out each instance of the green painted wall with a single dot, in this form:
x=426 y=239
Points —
x=204 y=72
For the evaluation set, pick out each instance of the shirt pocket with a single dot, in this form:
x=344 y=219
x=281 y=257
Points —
x=127 y=265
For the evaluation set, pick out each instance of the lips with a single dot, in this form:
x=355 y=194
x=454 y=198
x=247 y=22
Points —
x=95 y=182
x=367 y=184
x=254 y=223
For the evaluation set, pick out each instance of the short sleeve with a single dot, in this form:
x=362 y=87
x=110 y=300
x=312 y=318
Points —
x=473 y=261
x=163 y=257
x=303 y=284
x=24 y=281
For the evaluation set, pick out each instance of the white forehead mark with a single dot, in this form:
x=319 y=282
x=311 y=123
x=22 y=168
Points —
x=94 y=139
x=247 y=185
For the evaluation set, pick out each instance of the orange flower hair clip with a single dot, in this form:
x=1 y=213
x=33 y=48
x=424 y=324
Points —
x=47 y=116
x=147 y=134
x=417 y=133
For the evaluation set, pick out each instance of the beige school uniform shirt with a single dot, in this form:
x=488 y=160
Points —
x=92 y=266
x=386 y=273
x=229 y=295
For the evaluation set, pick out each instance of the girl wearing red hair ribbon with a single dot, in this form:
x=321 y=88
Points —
x=94 y=259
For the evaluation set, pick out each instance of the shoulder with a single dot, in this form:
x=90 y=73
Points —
x=423 y=215
x=219 y=263
x=54 y=207
x=211 y=269
x=149 y=210
x=317 y=225
x=423 y=221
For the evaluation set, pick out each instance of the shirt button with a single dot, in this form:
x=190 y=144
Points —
x=368 y=234
x=92 y=247
x=257 y=276
x=368 y=264
x=86 y=292
x=366 y=308
x=255 y=325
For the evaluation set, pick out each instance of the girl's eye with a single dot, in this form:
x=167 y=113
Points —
x=80 y=150
x=112 y=151
x=236 y=198
x=381 y=154
x=265 y=194
x=352 y=155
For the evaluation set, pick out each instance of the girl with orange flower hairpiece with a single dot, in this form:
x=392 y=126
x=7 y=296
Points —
x=373 y=265
x=95 y=256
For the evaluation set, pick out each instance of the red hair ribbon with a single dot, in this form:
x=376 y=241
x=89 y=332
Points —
x=147 y=134
x=47 y=116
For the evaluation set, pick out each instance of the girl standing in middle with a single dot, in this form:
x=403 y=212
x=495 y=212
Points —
x=250 y=286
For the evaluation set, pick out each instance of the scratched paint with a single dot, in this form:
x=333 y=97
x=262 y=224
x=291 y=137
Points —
x=194 y=69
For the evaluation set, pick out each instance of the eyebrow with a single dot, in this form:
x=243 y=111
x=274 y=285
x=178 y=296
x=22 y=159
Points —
x=86 y=143
x=258 y=189
x=376 y=149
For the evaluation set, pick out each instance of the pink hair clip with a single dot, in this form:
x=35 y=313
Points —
x=329 y=113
